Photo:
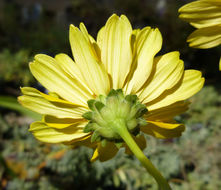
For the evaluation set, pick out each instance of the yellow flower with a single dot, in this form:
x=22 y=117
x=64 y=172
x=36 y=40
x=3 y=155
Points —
x=205 y=15
x=120 y=58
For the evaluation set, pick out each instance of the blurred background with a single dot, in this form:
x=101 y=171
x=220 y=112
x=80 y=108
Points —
x=29 y=27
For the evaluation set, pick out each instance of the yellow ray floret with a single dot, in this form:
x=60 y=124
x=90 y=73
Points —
x=205 y=15
x=122 y=59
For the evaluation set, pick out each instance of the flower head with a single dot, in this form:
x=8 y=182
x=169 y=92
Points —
x=205 y=15
x=113 y=78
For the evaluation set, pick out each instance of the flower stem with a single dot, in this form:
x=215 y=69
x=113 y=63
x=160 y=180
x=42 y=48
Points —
x=121 y=129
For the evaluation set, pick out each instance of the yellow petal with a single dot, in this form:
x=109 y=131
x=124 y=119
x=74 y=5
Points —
x=202 y=19
x=104 y=153
x=141 y=142
x=191 y=83
x=205 y=37
x=168 y=72
x=206 y=12
x=48 y=72
x=202 y=14
x=70 y=67
x=114 y=42
x=147 y=44
x=95 y=155
x=94 y=46
x=198 y=6
x=213 y=2
x=167 y=113
x=163 y=130
x=206 y=22
x=93 y=72
x=47 y=134
x=61 y=123
x=134 y=36
x=36 y=101
x=220 y=64
x=205 y=15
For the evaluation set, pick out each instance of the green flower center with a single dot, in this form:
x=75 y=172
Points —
x=108 y=113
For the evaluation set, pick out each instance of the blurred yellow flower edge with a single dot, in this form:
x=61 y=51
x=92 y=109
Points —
x=119 y=58
x=205 y=15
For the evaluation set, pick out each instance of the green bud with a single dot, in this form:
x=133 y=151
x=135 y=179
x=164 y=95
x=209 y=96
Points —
x=107 y=111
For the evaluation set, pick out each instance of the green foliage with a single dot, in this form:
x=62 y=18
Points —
x=14 y=67
x=12 y=104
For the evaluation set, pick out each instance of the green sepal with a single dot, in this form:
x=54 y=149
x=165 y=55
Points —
x=141 y=110
x=99 y=105
x=112 y=93
x=95 y=137
x=112 y=103
x=131 y=124
x=119 y=91
x=138 y=135
x=88 y=115
x=90 y=104
x=142 y=121
x=103 y=142
x=102 y=98
x=131 y=98
x=119 y=144
x=120 y=94
x=107 y=133
x=89 y=127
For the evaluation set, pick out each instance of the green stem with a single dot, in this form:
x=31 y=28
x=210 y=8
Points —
x=121 y=129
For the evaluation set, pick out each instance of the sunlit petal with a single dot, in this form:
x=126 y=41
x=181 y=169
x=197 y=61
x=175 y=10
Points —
x=92 y=71
x=36 y=101
x=168 y=72
x=48 y=72
x=48 y=134
x=148 y=42
x=116 y=55
x=205 y=15
x=191 y=83
x=205 y=38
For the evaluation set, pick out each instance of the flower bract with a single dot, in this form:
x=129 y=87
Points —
x=115 y=76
